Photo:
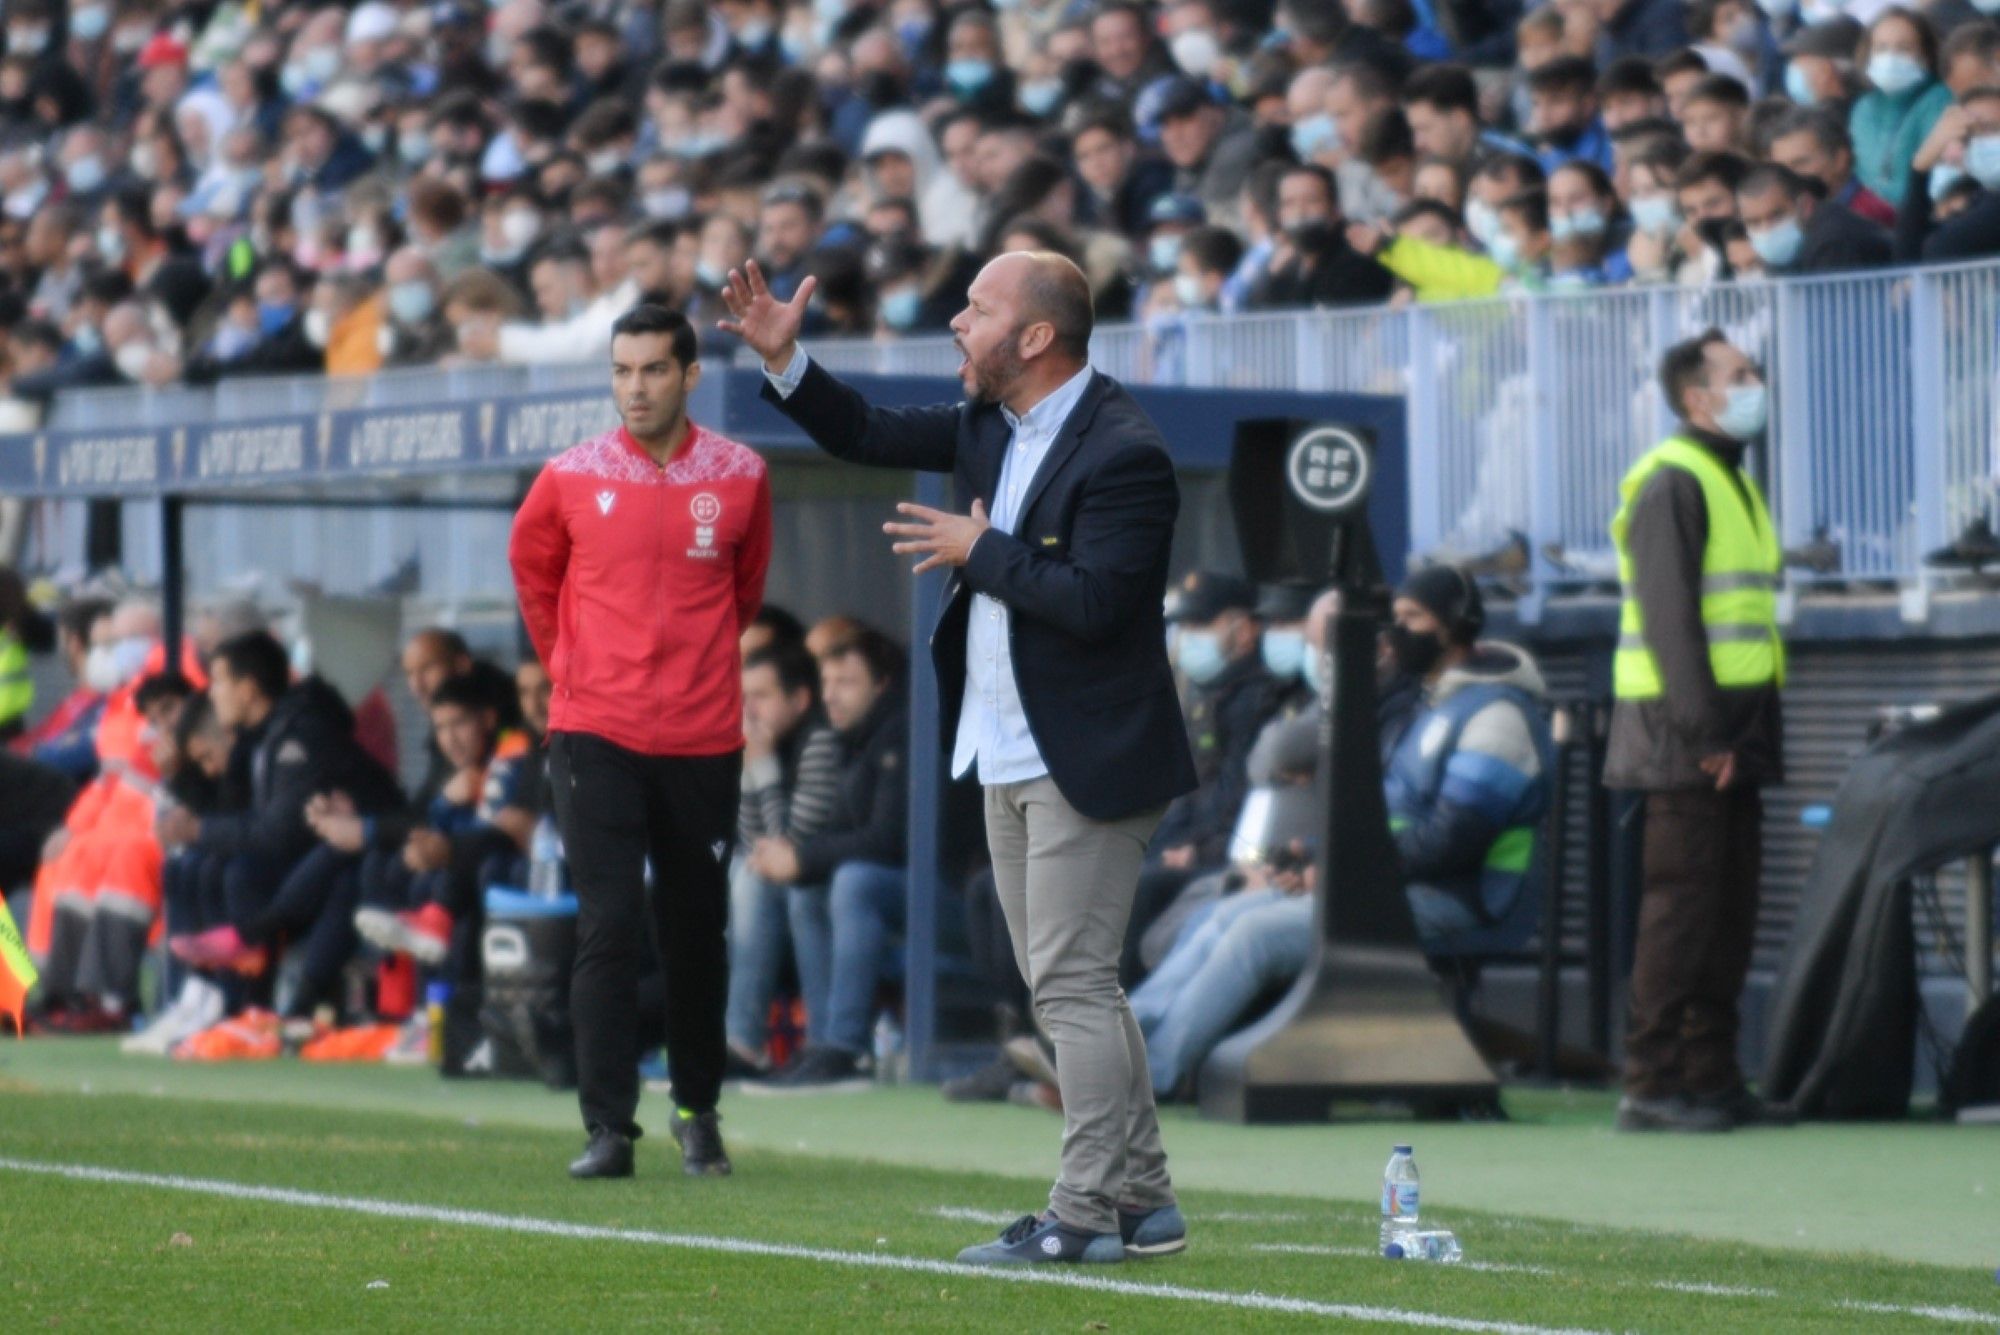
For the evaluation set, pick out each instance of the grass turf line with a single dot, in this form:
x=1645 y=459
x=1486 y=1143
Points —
x=107 y=1254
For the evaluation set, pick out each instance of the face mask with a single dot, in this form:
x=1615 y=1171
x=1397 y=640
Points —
x=672 y=202
x=84 y=175
x=414 y=149
x=89 y=24
x=1201 y=656
x=1655 y=213
x=1414 y=654
x=131 y=360
x=901 y=308
x=86 y=341
x=145 y=162
x=128 y=656
x=1313 y=135
x=410 y=303
x=1584 y=222
x=1778 y=245
x=26 y=41
x=273 y=316
x=1895 y=73
x=710 y=276
x=1778 y=9
x=1505 y=251
x=1187 y=291
x=318 y=327
x=967 y=77
x=1284 y=652
x=1041 y=97
x=1165 y=253
x=364 y=245
x=1196 y=51
x=1942 y=178
x=795 y=47
x=100 y=669
x=322 y=64
x=754 y=33
x=1798 y=87
x=605 y=162
x=519 y=228
x=1982 y=160
x=1744 y=412
x=111 y=244
x=1483 y=221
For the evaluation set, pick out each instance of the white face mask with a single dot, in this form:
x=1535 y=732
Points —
x=1196 y=52
x=100 y=669
x=132 y=360
x=129 y=655
x=318 y=327
x=519 y=228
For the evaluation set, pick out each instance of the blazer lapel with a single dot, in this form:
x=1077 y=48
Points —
x=1065 y=443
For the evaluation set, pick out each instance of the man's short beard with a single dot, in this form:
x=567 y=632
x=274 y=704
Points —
x=1001 y=371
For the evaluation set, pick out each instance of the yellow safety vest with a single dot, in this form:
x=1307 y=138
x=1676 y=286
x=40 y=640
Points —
x=1739 y=578
x=17 y=688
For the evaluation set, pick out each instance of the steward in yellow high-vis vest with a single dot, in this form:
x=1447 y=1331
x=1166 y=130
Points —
x=1697 y=728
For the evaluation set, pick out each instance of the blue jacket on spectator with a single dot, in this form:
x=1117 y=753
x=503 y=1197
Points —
x=1468 y=781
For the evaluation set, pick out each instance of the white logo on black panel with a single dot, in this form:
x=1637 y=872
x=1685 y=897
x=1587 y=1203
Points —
x=1328 y=468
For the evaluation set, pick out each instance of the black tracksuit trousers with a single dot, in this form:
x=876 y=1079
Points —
x=617 y=809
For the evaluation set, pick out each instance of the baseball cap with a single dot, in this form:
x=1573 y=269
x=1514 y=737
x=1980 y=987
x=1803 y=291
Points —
x=1204 y=595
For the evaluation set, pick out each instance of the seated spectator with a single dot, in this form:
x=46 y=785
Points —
x=1230 y=694
x=1962 y=151
x=1628 y=91
x=1588 y=228
x=1524 y=247
x=294 y=742
x=1467 y=783
x=1498 y=177
x=772 y=627
x=413 y=899
x=1971 y=56
x=1425 y=251
x=1312 y=264
x=1562 y=95
x=1208 y=256
x=1120 y=182
x=1794 y=231
x=858 y=856
x=264 y=332
x=1815 y=145
x=412 y=332
x=1705 y=191
x=1441 y=103
x=791 y=770
x=65 y=739
x=1210 y=147
x=1715 y=114
x=1905 y=98
x=790 y=221
x=1653 y=250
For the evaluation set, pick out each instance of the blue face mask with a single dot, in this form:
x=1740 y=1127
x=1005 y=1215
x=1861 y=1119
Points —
x=1201 y=656
x=1313 y=134
x=1894 y=72
x=411 y=303
x=1582 y=223
x=1982 y=160
x=1039 y=99
x=1745 y=412
x=967 y=77
x=1483 y=221
x=273 y=316
x=1798 y=87
x=901 y=308
x=1655 y=213
x=89 y=24
x=85 y=174
x=1285 y=652
x=1505 y=251
x=1164 y=252
x=86 y=341
x=1943 y=177
x=1778 y=245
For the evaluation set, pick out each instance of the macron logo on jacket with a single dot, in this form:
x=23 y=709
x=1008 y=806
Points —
x=605 y=500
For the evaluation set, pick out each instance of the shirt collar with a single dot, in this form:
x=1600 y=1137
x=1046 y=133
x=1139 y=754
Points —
x=1048 y=415
x=687 y=448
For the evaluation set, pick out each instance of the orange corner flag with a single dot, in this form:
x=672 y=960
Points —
x=17 y=971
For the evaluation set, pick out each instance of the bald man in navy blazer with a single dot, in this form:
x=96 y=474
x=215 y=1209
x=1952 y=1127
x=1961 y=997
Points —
x=1052 y=670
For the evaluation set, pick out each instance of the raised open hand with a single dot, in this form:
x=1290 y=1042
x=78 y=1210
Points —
x=769 y=326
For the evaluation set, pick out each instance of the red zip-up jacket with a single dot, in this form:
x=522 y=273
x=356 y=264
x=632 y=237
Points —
x=635 y=582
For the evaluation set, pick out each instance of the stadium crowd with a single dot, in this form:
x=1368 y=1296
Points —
x=203 y=190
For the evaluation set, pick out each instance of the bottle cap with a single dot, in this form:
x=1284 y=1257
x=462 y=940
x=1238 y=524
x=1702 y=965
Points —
x=1402 y=1149
x=1393 y=1252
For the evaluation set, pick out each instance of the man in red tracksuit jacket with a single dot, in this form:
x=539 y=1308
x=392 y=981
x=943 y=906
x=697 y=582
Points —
x=639 y=556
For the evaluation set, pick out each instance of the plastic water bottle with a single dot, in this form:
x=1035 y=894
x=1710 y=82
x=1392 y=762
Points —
x=1438 y=1244
x=888 y=1049
x=545 y=860
x=1399 y=1196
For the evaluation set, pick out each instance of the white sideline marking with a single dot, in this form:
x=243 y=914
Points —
x=508 y=1223
x=1718 y=1290
x=1961 y=1315
x=1315 y=1249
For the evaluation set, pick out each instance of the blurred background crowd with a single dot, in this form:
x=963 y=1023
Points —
x=199 y=190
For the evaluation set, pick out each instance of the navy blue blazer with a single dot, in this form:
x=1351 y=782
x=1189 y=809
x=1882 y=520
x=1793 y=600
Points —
x=1084 y=572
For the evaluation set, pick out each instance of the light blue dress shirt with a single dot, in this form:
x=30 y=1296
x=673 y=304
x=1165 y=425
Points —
x=992 y=726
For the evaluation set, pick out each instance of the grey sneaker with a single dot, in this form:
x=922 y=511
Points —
x=1161 y=1232
x=1043 y=1240
x=1671 y=1114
